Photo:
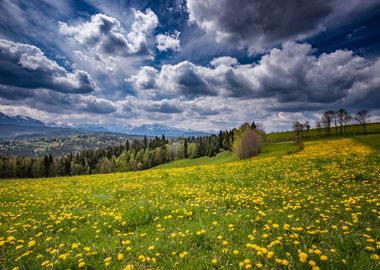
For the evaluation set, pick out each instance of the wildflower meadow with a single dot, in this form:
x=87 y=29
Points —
x=315 y=209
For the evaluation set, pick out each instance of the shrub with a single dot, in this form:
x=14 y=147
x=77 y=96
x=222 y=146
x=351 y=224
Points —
x=247 y=142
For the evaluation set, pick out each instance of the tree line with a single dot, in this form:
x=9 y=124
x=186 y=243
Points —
x=334 y=120
x=137 y=154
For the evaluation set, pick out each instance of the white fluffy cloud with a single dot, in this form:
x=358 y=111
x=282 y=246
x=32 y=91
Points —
x=105 y=35
x=168 y=42
x=224 y=61
x=143 y=25
x=145 y=78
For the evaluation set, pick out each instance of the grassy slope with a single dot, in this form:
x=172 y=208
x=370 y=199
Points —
x=227 y=156
x=323 y=199
x=222 y=157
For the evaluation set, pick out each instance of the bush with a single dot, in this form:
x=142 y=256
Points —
x=247 y=142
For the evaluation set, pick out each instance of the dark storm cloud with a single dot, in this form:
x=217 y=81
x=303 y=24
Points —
x=260 y=24
x=26 y=66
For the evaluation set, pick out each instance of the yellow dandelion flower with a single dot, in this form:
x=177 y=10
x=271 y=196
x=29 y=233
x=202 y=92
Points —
x=31 y=243
x=120 y=257
x=129 y=267
x=303 y=257
x=324 y=258
x=63 y=256
x=45 y=263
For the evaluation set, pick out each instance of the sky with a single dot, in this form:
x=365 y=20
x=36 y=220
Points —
x=199 y=64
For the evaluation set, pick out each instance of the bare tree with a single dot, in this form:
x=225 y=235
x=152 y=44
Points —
x=362 y=117
x=297 y=127
x=325 y=123
x=306 y=126
x=335 y=116
x=332 y=117
x=326 y=120
x=341 y=117
x=347 y=119
x=319 y=125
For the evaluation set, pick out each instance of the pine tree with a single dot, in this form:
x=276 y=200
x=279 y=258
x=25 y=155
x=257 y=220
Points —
x=185 y=149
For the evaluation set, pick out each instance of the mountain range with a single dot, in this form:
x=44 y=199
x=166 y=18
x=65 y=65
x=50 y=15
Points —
x=20 y=120
x=21 y=126
x=146 y=129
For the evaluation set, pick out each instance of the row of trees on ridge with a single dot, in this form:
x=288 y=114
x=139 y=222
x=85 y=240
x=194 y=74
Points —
x=339 y=119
